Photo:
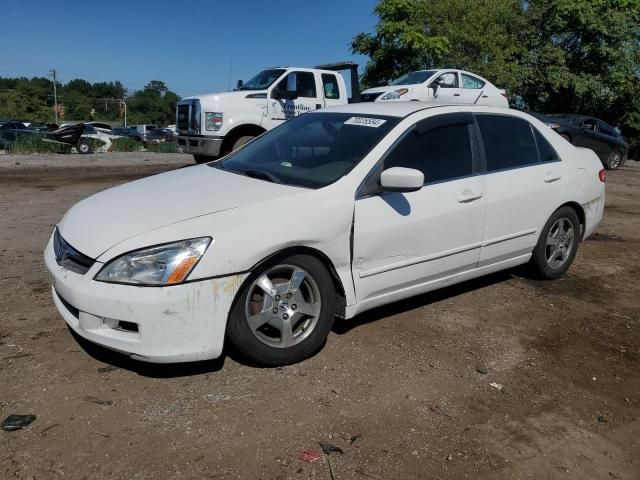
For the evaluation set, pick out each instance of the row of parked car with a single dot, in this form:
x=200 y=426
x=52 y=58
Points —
x=77 y=134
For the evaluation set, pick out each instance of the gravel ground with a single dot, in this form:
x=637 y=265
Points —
x=398 y=389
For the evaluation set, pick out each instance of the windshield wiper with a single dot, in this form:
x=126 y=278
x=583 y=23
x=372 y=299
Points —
x=261 y=174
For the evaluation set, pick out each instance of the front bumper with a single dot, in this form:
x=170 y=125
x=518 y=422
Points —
x=180 y=323
x=209 y=146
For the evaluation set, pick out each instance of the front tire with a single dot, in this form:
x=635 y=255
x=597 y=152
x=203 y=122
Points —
x=83 y=147
x=242 y=141
x=284 y=313
x=557 y=245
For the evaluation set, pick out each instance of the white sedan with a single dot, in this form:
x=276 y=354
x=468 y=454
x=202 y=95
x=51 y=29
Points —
x=331 y=214
x=444 y=86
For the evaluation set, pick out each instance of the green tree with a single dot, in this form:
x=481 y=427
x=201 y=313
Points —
x=419 y=34
x=553 y=56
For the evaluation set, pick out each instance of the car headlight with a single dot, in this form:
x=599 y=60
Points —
x=212 y=121
x=395 y=94
x=553 y=125
x=166 y=264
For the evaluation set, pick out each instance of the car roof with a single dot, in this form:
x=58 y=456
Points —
x=403 y=109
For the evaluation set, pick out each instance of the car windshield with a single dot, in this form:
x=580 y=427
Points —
x=263 y=80
x=413 y=78
x=312 y=150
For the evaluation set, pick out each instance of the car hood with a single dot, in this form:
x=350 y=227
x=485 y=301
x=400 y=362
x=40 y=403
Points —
x=105 y=219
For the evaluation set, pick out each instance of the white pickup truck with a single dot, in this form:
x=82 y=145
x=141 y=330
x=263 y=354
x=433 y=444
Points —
x=215 y=124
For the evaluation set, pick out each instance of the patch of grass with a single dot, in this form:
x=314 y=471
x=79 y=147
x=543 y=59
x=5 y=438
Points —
x=125 y=144
x=34 y=143
x=164 y=147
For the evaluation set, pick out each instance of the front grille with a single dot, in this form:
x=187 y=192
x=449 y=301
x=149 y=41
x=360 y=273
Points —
x=68 y=257
x=182 y=118
x=370 y=97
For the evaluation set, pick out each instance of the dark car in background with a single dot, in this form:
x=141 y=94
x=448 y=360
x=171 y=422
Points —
x=42 y=127
x=12 y=125
x=160 y=135
x=593 y=133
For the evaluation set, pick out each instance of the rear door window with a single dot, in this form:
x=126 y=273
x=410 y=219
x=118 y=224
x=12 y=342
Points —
x=508 y=142
x=471 y=82
x=330 y=86
x=546 y=153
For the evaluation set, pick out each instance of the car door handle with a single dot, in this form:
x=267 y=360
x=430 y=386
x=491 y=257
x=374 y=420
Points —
x=468 y=196
x=456 y=94
x=551 y=177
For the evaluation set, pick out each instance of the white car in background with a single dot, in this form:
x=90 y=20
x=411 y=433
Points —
x=445 y=86
x=333 y=213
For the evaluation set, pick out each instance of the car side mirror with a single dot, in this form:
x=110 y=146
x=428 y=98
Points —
x=435 y=85
x=239 y=84
x=400 y=179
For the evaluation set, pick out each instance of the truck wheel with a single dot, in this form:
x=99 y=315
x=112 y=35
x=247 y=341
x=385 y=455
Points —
x=241 y=141
x=83 y=147
x=284 y=312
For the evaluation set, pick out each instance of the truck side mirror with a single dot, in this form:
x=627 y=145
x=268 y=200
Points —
x=239 y=84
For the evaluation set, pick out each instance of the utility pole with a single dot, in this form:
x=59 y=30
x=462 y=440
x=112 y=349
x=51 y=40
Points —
x=55 y=93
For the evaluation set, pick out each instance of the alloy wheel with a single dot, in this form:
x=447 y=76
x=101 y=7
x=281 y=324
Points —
x=560 y=243
x=283 y=306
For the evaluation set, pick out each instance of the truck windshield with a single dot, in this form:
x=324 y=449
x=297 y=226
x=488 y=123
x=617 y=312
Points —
x=263 y=80
x=311 y=151
x=413 y=78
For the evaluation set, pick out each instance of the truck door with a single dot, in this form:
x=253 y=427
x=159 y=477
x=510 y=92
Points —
x=331 y=90
x=307 y=99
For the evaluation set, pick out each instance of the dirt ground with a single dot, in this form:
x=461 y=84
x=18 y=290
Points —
x=397 y=389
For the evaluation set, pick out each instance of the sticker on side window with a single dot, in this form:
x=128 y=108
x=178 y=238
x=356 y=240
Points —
x=365 y=122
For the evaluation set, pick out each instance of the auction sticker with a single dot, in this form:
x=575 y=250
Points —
x=365 y=121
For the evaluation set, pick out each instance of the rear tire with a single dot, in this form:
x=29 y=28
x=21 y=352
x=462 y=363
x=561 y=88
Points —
x=290 y=321
x=614 y=160
x=557 y=245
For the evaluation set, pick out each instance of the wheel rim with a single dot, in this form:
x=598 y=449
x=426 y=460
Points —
x=84 y=148
x=614 y=162
x=560 y=242
x=283 y=306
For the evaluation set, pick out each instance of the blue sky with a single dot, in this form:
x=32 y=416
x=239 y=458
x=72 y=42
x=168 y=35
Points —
x=187 y=44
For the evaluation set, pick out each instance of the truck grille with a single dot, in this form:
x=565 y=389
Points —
x=188 y=117
x=182 y=118
x=68 y=257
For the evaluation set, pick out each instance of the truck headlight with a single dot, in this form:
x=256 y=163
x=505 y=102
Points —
x=166 y=264
x=395 y=94
x=212 y=121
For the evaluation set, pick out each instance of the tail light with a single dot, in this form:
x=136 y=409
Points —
x=602 y=175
